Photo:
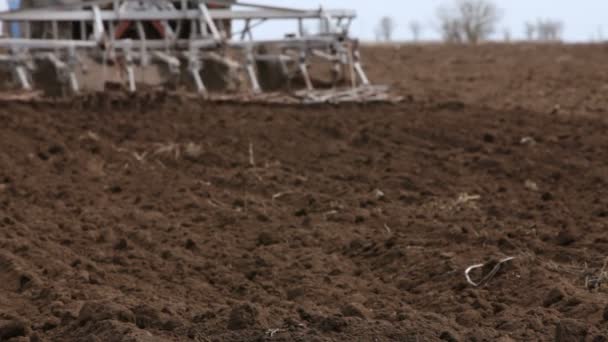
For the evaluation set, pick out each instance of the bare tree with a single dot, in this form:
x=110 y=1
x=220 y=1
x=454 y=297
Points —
x=451 y=31
x=530 y=30
x=416 y=30
x=545 y=30
x=600 y=34
x=386 y=28
x=506 y=34
x=549 y=30
x=469 y=21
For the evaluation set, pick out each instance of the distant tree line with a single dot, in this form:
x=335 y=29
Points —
x=472 y=22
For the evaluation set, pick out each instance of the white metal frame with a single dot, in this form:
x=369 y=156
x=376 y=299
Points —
x=98 y=20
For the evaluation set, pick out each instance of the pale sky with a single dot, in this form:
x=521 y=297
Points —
x=583 y=19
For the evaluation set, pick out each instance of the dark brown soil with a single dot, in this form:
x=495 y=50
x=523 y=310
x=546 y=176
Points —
x=545 y=78
x=160 y=219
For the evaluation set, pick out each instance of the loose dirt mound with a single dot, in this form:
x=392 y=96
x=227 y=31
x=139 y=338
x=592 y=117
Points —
x=154 y=220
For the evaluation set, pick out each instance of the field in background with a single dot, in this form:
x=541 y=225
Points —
x=156 y=218
x=538 y=77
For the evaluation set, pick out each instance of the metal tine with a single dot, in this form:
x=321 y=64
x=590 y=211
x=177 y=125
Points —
x=194 y=67
x=23 y=77
x=128 y=65
x=359 y=68
x=304 y=70
x=251 y=72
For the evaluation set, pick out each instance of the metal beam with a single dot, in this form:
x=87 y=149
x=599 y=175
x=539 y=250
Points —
x=310 y=42
x=106 y=15
x=81 y=4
